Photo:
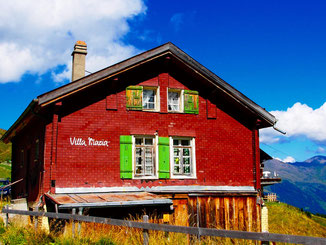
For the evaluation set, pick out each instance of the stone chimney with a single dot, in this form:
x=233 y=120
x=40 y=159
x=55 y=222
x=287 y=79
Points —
x=78 y=60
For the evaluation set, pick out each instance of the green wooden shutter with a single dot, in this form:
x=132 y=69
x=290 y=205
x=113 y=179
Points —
x=163 y=158
x=125 y=157
x=191 y=102
x=134 y=97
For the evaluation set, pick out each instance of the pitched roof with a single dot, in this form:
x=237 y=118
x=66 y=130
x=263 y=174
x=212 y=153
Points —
x=143 y=58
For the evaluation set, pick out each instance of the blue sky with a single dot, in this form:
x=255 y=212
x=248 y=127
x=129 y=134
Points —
x=272 y=51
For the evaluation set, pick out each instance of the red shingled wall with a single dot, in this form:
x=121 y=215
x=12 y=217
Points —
x=224 y=146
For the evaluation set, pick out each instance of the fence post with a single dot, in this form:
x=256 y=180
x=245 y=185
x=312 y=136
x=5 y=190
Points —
x=264 y=223
x=198 y=218
x=145 y=231
x=7 y=216
x=73 y=223
x=80 y=212
x=35 y=219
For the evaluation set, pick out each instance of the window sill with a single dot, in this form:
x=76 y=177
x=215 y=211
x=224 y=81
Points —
x=183 y=177
x=182 y=112
x=147 y=110
x=177 y=112
x=144 y=110
x=145 y=177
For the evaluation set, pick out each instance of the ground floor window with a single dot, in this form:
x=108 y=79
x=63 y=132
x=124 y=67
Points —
x=154 y=157
x=144 y=156
x=182 y=157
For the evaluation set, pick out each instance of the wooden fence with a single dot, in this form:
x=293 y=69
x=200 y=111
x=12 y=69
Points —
x=197 y=231
x=271 y=197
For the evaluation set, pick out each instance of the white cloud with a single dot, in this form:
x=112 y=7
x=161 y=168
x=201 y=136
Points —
x=177 y=20
x=299 y=120
x=64 y=75
x=320 y=150
x=287 y=159
x=14 y=58
x=115 y=52
x=37 y=35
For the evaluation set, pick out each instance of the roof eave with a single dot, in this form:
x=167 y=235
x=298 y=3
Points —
x=225 y=87
x=103 y=74
x=147 y=56
x=9 y=133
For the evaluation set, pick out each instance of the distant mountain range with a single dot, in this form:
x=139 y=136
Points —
x=303 y=183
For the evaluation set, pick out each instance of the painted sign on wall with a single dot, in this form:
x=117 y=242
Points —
x=88 y=142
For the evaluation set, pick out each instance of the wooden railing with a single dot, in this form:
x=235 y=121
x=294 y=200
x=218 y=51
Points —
x=271 y=197
x=197 y=231
x=4 y=187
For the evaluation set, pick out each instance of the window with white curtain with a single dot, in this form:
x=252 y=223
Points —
x=150 y=98
x=174 y=100
x=144 y=156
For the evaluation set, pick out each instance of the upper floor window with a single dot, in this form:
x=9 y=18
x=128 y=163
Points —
x=149 y=98
x=174 y=100
x=191 y=101
x=186 y=101
x=142 y=98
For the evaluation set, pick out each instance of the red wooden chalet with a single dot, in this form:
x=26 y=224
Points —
x=157 y=132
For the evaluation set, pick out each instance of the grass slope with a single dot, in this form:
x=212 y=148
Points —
x=5 y=149
x=5 y=170
x=286 y=219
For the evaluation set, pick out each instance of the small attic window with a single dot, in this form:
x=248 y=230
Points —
x=174 y=100
x=149 y=98
x=142 y=98
x=186 y=101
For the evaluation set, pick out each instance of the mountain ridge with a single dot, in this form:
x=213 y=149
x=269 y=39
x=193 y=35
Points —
x=303 y=183
x=319 y=159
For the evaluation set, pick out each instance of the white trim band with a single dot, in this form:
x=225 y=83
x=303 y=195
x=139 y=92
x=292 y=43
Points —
x=166 y=189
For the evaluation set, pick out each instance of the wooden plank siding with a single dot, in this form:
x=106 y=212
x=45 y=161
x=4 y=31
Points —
x=222 y=212
x=181 y=216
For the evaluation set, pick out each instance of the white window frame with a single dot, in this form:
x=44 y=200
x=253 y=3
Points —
x=155 y=146
x=193 y=158
x=156 y=98
x=181 y=99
